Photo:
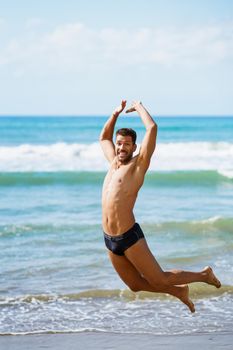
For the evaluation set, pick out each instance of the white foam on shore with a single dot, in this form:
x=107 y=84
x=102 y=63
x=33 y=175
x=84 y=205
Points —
x=152 y=316
x=177 y=156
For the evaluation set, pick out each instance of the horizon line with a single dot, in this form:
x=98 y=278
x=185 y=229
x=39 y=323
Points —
x=107 y=115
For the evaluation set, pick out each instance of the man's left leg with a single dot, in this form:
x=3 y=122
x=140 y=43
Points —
x=143 y=260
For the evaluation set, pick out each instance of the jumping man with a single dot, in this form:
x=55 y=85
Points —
x=127 y=247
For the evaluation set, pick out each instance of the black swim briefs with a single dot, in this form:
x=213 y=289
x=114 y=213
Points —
x=118 y=244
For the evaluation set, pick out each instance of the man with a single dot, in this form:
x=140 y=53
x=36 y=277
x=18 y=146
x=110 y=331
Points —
x=127 y=247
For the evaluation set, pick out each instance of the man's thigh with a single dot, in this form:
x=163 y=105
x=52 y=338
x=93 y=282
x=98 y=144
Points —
x=144 y=262
x=127 y=272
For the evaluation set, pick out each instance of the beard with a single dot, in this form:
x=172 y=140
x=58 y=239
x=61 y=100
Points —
x=125 y=157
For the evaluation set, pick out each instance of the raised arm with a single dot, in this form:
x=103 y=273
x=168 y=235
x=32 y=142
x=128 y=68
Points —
x=149 y=140
x=106 y=136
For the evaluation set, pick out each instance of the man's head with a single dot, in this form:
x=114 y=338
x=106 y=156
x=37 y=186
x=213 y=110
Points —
x=125 y=144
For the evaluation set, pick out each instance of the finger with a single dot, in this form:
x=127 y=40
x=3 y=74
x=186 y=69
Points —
x=123 y=104
x=129 y=110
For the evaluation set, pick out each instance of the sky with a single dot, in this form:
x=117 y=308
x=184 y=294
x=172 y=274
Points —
x=75 y=57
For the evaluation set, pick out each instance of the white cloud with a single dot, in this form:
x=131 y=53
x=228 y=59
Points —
x=74 y=46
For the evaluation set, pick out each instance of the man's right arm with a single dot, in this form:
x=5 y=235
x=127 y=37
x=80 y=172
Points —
x=106 y=136
x=149 y=140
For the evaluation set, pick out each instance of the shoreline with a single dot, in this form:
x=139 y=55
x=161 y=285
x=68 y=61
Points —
x=102 y=340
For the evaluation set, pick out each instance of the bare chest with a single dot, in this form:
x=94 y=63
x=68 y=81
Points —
x=119 y=181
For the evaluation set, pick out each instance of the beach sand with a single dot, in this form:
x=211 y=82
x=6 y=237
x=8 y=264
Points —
x=99 y=341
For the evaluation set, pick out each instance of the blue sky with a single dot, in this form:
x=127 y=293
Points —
x=82 y=57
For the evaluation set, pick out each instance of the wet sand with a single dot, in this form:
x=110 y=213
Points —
x=100 y=341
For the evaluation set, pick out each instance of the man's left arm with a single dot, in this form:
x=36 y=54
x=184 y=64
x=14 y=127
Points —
x=149 y=141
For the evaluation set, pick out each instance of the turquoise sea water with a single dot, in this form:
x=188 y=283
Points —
x=55 y=275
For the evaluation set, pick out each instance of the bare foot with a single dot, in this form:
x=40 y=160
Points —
x=211 y=278
x=184 y=297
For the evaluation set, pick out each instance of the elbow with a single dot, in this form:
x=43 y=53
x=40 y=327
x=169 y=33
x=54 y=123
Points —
x=155 y=125
x=153 y=128
x=103 y=138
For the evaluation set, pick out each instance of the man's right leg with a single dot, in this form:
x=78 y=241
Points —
x=132 y=278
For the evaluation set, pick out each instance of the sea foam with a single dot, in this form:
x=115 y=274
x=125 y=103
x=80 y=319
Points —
x=171 y=156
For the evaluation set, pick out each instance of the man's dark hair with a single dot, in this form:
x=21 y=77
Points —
x=127 y=132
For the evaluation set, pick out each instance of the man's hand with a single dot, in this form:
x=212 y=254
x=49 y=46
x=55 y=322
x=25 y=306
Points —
x=106 y=136
x=134 y=106
x=120 y=108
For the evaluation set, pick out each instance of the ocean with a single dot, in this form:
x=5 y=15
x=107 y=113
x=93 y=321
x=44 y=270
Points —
x=55 y=275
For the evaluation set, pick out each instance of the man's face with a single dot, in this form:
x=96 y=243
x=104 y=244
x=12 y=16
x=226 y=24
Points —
x=124 y=148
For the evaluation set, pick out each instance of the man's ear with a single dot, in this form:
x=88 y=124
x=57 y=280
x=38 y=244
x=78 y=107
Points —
x=134 y=147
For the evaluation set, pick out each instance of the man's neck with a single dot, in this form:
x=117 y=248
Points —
x=120 y=163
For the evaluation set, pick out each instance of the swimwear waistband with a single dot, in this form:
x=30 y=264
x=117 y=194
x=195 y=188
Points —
x=121 y=236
